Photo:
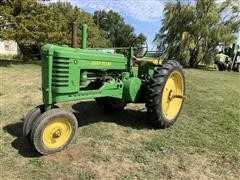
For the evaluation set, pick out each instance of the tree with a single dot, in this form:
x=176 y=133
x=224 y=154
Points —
x=27 y=23
x=191 y=33
x=64 y=14
x=33 y=24
x=119 y=33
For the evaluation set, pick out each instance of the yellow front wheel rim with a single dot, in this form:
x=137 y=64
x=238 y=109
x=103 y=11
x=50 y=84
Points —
x=172 y=96
x=56 y=133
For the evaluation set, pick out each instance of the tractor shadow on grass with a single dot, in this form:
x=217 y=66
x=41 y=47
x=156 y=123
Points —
x=20 y=143
x=88 y=112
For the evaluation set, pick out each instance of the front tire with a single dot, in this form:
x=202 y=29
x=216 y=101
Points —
x=30 y=119
x=53 y=131
x=165 y=94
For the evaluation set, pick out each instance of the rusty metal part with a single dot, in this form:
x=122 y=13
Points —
x=179 y=96
x=74 y=35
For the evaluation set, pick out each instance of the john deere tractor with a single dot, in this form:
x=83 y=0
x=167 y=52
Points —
x=228 y=58
x=73 y=74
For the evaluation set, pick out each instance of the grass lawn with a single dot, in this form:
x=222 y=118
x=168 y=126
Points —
x=204 y=143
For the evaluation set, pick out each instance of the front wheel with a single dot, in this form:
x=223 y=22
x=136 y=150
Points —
x=30 y=119
x=53 y=131
x=165 y=94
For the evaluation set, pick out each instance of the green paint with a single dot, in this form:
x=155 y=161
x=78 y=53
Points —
x=132 y=89
x=153 y=54
x=227 y=58
x=84 y=36
x=145 y=69
x=70 y=74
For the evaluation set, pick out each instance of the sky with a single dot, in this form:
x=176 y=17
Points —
x=144 y=15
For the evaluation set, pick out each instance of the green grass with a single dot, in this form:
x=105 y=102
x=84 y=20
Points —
x=202 y=144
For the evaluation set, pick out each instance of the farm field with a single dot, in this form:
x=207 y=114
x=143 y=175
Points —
x=202 y=144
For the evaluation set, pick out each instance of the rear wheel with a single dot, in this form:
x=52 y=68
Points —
x=165 y=94
x=108 y=104
x=238 y=67
x=53 y=131
x=221 y=67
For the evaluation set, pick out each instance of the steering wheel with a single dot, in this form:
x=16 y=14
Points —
x=140 y=50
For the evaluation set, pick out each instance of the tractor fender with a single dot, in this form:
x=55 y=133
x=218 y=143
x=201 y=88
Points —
x=131 y=89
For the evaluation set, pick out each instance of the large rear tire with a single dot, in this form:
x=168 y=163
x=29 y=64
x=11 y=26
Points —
x=165 y=94
x=238 y=67
x=221 y=67
x=53 y=131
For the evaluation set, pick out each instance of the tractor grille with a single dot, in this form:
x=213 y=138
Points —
x=60 y=72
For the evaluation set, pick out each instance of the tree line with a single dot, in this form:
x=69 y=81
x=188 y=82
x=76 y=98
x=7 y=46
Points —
x=32 y=23
x=190 y=33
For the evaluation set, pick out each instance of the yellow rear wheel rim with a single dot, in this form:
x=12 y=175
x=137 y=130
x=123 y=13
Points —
x=56 y=133
x=174 y=87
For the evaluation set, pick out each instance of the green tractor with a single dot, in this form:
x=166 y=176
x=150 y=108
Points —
x=112 y=79
x=228 y=58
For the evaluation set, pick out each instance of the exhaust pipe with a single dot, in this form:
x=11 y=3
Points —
x=75 y=38
x=74 y=35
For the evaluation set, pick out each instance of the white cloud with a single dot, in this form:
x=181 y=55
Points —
x=143 y=10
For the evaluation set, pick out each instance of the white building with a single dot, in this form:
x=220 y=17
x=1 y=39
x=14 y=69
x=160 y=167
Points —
x=8 y=47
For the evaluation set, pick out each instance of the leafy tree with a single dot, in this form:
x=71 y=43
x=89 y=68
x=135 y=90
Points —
x=119 y=33
x=64 y=14
x=191 y=33
x=33 y=24
x=27 y=23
